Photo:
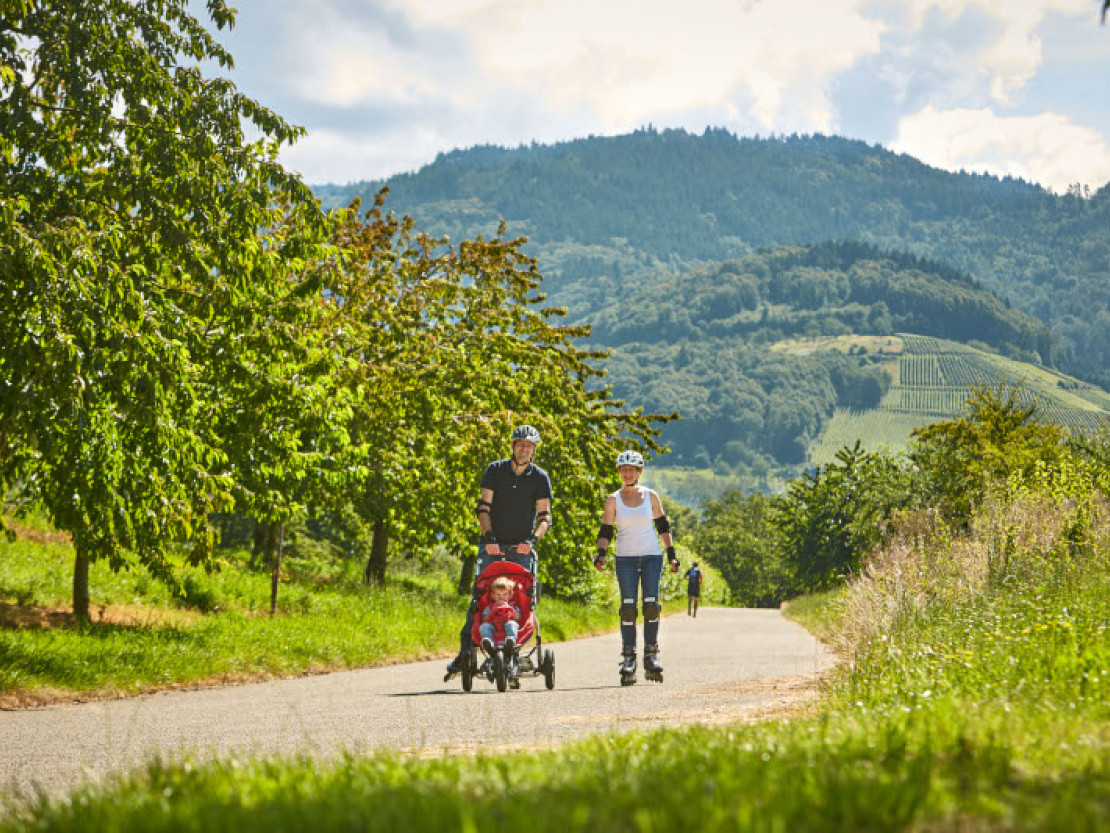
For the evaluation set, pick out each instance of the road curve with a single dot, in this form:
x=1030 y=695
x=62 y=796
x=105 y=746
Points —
x=724 y=665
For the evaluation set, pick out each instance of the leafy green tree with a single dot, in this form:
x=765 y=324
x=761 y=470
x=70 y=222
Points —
x=448 y=347
x=130 y=208
x=997 y=436
x=735 y=536
x=830 y=519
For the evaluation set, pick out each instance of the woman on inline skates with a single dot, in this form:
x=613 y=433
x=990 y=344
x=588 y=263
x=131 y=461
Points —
x=635 y=513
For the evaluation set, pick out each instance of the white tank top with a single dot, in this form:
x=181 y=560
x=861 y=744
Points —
x=636 y=527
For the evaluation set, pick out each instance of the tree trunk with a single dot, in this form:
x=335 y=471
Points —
x=258 y=551
x=265 y=544
x=81 y=586
x=466 y=577
x=379 y=550
x=277 y=569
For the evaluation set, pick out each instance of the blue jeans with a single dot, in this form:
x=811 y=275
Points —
x=488 y=631
x=633 y=573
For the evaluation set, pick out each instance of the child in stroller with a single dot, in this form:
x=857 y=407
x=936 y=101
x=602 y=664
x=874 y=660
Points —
x=504 y=665
x=501 y=620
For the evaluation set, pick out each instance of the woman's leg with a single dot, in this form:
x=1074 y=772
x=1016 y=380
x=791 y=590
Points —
x=628 y=578
x=651 y=569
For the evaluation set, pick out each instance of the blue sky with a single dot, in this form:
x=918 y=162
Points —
x=1019 y=87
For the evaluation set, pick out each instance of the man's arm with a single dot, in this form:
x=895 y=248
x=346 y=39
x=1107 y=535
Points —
x=543 y=518
x=485 y=502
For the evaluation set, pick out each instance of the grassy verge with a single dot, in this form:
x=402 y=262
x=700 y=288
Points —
x=818 y=613
x=144 y=638
x=974 y=697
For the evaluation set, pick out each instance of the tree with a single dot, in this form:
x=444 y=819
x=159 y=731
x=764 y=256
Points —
x=130 y=255
x=997 y=436
x=831 y=518
x=736 y=537
x=448 y=347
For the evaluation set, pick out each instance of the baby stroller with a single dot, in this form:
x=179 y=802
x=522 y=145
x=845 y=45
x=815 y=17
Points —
x=502 y=666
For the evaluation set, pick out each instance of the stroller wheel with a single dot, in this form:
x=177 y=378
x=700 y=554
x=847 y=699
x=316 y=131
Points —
x=500 y=672
x=468 y=674
x=548 y=668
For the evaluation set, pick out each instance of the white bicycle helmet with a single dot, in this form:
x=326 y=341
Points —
x=525 y=432
x=630 y=458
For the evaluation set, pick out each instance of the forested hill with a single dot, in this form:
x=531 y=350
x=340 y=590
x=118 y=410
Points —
x=719 y=342
x=649 y=201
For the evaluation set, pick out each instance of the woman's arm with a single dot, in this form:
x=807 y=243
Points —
x=658 y=513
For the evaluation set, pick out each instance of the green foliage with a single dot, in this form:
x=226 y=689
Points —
x=998 y=437
x=734 y=535
x=129 y=260
x=830 y=519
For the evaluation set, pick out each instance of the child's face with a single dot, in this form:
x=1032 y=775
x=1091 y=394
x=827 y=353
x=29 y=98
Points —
x=501 y=594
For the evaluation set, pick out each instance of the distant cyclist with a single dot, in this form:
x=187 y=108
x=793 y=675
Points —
x=635 y=514
x=514 y=511
x=693 y=578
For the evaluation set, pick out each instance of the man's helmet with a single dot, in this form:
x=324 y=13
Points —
x=630 y=458
x=525 y=432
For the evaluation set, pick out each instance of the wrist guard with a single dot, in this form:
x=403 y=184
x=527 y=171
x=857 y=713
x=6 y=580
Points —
x=671 y=556
x=488 y=538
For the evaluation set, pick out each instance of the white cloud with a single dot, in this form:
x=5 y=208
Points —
x=329 y=156
x=344 y=61
x=1015 y=54
x=628 y=60
x=1047 y=148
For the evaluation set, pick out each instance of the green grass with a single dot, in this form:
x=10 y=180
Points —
x=143 y=637
x=979 y=702
x=816 y=612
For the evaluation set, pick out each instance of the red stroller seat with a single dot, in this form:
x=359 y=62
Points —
x=522 y=597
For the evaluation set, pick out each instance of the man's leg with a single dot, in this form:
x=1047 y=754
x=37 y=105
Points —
x=465 y=635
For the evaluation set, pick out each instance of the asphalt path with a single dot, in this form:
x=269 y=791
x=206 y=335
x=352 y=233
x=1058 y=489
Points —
x=725 y=665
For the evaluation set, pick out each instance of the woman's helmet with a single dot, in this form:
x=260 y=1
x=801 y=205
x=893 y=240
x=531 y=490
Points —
x=630 y=458
x=525 y=432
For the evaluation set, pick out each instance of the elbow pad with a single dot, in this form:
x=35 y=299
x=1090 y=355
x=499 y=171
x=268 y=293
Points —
x=662 y=524
x=606 y=532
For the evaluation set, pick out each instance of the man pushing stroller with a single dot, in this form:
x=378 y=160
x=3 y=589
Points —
x=514 y=511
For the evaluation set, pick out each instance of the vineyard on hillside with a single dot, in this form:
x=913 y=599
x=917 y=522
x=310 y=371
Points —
x=931 y=382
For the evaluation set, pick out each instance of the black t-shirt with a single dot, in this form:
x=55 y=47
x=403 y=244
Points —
x=513 y=511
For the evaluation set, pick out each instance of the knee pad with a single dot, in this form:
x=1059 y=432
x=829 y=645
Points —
x=652 y=610
x=628 y=611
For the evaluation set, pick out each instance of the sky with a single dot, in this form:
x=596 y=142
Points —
x=1020 y=87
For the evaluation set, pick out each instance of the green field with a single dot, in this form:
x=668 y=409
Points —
x=931 y=381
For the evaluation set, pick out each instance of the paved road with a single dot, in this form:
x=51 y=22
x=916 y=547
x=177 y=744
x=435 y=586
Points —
x=726 y=664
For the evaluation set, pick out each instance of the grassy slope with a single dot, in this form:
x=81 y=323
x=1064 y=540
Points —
x=973 y=705
x=930 y=381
